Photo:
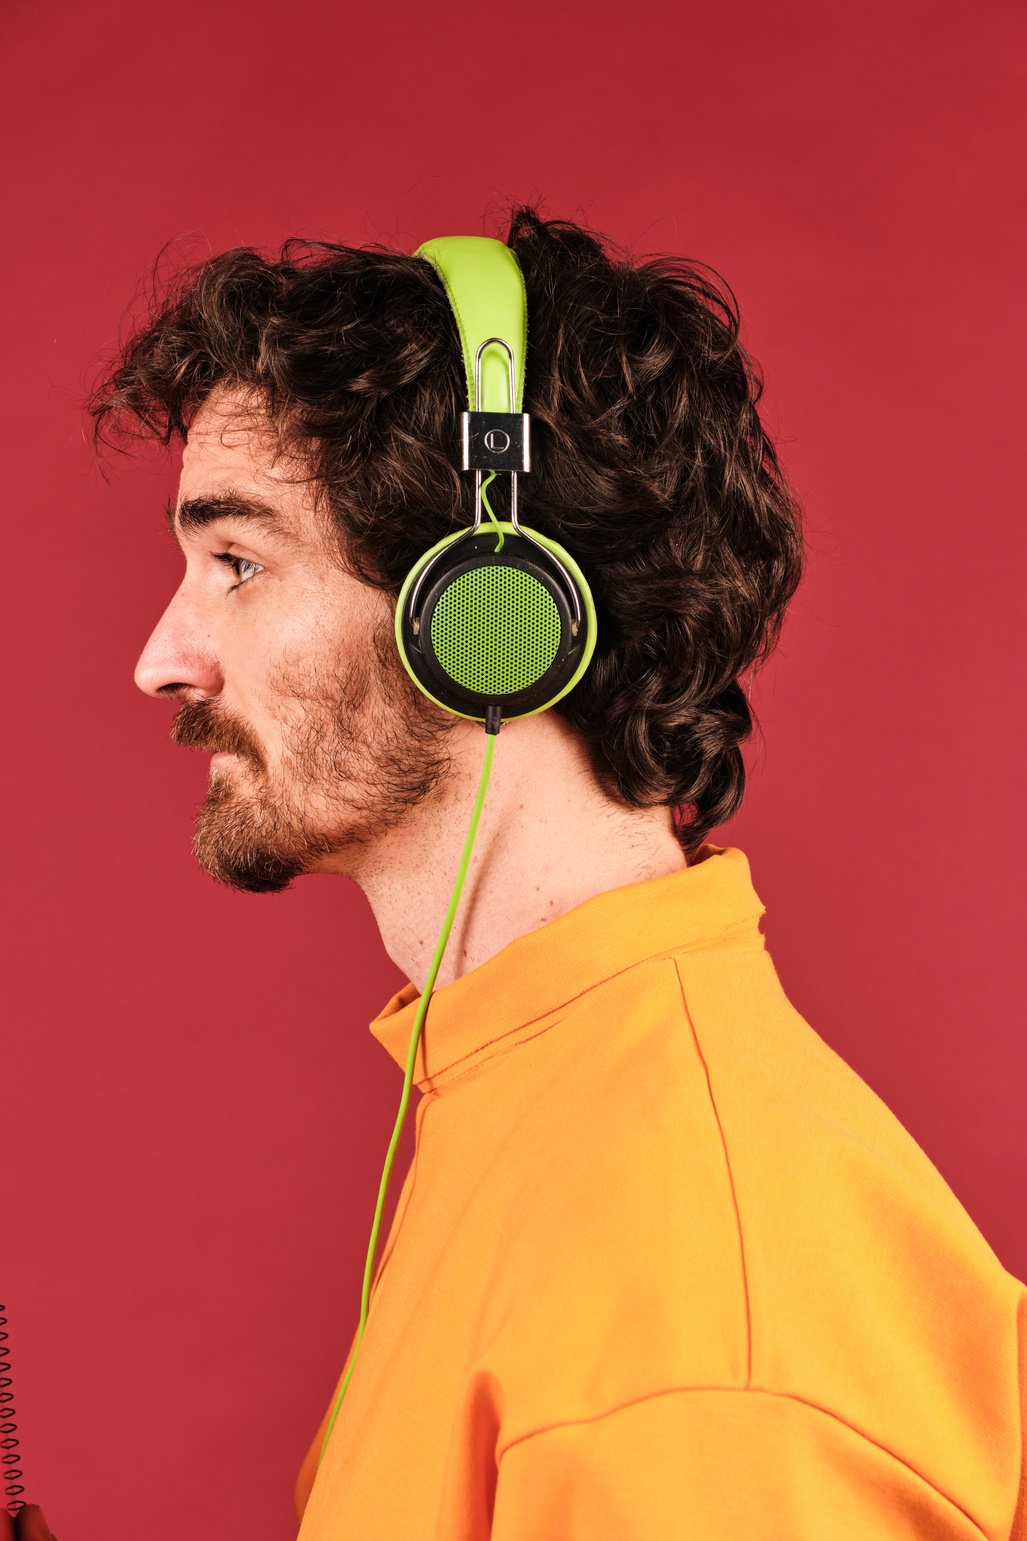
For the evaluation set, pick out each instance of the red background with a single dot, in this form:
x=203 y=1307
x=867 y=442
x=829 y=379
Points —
x=195 y=1116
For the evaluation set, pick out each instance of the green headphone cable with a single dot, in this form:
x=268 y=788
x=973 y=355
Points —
x=490 y=478
x=492 y=726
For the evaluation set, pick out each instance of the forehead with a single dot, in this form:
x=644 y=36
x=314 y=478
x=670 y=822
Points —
x=232 y=448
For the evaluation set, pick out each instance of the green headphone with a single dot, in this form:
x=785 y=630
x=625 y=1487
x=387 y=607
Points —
x=493 y=629
x=492 y=623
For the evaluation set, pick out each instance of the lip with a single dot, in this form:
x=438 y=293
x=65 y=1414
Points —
x=222 y=755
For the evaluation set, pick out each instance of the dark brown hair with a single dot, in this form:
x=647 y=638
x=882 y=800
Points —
x=649 y=461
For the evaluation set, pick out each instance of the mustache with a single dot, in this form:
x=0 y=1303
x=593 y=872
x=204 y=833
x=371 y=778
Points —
x=198 y=725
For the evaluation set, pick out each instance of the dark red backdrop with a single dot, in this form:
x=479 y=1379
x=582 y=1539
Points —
x=195 y=1116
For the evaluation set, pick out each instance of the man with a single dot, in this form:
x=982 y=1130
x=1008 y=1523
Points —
x=663 y=1265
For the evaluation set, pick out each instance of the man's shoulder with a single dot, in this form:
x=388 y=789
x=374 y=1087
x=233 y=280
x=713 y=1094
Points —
x=717 y=1198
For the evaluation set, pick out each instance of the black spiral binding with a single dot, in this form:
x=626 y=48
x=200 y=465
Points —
x=8 y=1441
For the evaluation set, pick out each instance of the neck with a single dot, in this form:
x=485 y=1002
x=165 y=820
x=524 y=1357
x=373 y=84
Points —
x=548 y=839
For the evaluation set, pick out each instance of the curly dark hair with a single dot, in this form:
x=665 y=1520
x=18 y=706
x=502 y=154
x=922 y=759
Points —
x=649 y=460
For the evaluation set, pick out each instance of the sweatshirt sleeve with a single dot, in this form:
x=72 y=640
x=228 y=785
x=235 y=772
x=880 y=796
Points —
x=716 y=1464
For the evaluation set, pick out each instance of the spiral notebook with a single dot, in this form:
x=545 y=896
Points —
x=9 y=1459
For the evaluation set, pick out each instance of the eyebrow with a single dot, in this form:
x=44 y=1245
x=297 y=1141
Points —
x=196 y=513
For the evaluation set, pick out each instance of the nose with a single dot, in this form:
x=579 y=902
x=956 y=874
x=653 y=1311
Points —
x=179 y=655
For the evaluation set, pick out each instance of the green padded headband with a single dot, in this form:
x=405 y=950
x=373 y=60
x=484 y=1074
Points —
x=486 y=275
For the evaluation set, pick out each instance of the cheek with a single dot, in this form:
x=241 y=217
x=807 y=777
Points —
x=284 y=645
x=313 y=653
x=308 y=679
x=302 y=622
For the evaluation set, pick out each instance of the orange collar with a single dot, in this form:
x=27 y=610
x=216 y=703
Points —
x=487 y=1009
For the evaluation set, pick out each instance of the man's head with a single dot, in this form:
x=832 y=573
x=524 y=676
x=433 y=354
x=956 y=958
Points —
x=649 y=464
x=285 y=665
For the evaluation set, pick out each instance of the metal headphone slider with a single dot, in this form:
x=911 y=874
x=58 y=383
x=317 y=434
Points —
x=495 y=441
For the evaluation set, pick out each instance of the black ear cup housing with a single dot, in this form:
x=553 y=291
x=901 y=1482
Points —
x=508 y=628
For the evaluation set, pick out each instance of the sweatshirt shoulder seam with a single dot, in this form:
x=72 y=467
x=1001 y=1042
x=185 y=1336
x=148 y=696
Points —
x=730 y=1172
x=747 y=1391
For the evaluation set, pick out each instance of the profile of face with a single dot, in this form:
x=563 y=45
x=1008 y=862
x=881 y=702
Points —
x=286 y=667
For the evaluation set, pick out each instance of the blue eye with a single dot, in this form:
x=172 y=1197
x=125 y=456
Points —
x=236 y=563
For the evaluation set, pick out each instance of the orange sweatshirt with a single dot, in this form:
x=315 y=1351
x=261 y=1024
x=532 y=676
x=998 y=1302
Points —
x=663 y=1266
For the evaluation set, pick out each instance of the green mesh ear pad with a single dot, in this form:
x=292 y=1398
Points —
x=495 y=630
x=500 y=615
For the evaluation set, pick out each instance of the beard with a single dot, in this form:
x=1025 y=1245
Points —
x=369 y=749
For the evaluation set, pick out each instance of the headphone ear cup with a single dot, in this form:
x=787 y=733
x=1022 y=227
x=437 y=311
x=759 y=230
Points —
x=482 y=625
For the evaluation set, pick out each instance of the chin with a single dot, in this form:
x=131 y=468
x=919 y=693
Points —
x=227 y=849
x=260 y=875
